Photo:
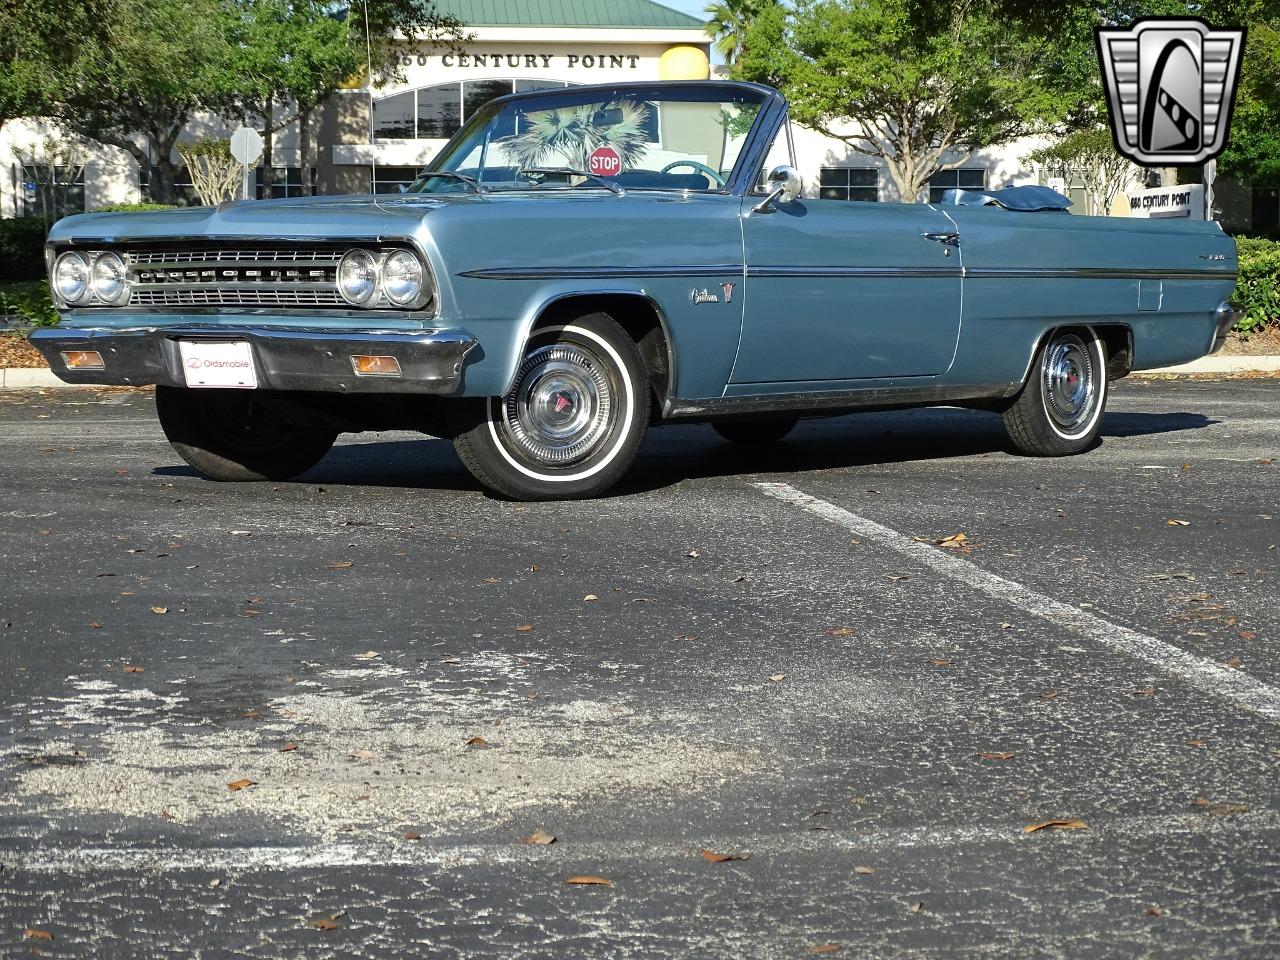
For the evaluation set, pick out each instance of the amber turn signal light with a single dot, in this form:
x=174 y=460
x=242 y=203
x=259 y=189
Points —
x=367 y=366
x=83 y=360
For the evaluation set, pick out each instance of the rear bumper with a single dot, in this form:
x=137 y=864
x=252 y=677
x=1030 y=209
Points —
x=285 y=358
x=1225 y=317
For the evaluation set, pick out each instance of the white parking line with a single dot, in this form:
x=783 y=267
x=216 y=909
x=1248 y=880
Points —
x=1214 y=678
x=448 y=854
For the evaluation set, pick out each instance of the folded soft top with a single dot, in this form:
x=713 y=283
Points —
x=1026 y=198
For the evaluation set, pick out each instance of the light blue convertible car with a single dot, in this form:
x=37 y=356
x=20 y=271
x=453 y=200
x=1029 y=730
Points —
x=579 y=264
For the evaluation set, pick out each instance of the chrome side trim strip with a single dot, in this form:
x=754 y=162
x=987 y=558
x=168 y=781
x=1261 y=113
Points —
x=601 y=273
x=1095 y=273
x=717 y=270
x=834 y=400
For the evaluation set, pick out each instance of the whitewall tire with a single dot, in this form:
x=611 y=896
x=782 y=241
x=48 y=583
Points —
x=1060 y=408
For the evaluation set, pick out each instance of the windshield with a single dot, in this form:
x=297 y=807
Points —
x=659 y=138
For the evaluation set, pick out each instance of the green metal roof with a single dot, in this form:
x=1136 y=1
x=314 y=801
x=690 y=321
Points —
x=616 y=14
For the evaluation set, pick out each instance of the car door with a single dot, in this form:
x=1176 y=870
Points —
x=839 y=290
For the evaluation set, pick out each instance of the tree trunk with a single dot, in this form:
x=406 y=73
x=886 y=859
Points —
x=304 y=148
x=264 y=186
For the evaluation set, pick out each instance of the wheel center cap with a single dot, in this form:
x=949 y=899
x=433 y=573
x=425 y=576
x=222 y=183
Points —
x=562 y=402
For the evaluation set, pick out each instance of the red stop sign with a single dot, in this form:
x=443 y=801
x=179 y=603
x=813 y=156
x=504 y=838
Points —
x=604 y=162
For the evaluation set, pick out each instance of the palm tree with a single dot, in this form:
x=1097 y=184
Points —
x=573 y=133
x=728 y=23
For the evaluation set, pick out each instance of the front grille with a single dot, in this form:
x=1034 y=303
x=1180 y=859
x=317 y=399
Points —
x=235 y=276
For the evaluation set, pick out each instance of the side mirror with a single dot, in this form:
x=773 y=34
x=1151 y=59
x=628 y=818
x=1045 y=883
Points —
x=784 y=185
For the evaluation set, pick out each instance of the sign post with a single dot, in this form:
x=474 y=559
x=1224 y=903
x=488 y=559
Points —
x=246 y=147
x=1210 y=175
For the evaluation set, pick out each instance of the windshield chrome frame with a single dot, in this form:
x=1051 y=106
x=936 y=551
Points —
x=770 y=118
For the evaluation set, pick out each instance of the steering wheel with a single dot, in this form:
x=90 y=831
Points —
x=698 y=167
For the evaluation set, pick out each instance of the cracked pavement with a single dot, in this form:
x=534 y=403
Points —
x=748 y=679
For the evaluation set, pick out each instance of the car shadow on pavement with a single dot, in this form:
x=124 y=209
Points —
x=678 y=452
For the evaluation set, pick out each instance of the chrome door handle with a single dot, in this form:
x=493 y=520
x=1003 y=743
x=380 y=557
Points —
x=951 y=238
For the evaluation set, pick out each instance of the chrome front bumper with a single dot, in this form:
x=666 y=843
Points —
x=285 y=358
x=1226 y=317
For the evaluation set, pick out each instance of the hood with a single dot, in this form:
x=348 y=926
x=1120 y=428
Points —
x=302 y=218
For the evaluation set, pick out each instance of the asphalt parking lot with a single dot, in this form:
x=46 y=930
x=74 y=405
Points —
x=789 y=658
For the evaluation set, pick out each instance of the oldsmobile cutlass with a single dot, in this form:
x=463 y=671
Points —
x=579 y=264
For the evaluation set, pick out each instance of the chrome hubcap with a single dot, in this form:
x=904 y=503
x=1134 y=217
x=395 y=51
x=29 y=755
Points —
x=561 y=407
x=1068 y=383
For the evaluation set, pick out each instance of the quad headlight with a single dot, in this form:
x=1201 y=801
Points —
x=358 y=277
x=110 y=279
x=402 y=277
x=71 y=277
x=82 y=278
x=394 y=278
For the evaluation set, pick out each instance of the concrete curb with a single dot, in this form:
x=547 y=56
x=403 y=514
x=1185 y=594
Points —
x=1221 y=364
x=36 y=378
x=29 y=378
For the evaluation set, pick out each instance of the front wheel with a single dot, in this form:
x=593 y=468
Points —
x=238 y=434
x=1059 y=410
x=571 y=425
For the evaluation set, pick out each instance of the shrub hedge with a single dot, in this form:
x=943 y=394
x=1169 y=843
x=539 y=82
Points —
x=1257 y=290
x=22 y=248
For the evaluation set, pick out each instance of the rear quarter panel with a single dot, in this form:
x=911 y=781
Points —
x=1028 y=273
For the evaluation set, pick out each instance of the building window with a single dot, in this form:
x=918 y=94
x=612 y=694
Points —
x=183 y=189
x=49 y=191
x=439 y=111
x=281 y=182
x=849 y=183
x=965 y=178
x=393 y=179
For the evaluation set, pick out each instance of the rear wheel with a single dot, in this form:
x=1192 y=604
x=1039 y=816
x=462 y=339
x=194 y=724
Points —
x=1059 y=410
x=571 y=425
x=755 y=432
x=238 y=434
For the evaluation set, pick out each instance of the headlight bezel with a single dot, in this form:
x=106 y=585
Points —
x=419 y=296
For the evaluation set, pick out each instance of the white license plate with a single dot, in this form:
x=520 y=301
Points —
x=218 y=364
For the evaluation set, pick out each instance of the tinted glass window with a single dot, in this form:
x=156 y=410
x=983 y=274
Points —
x=393 y=117
x=440 y=111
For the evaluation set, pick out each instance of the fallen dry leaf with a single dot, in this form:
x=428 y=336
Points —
x=1196 y=743
x=588 y=880
x=1056 y=825
x=159 y=609
x=477 y=742
x=692 y=553
x=288 y=747
x=325 y=923
x=953 y=541
x=841 y=632
x=824 y=948
x=999 y=755
x=31 y=933
x=916 y=907
x=342 y=565
x=368 y=655
x=412 y=835
x=1154 y=912
x=1144 y=692
x=96 y=625
x=1177 y=523
x=590 y=598
x=712 y=857
x=362 y=754
x=1219 y=808
x=235 y=785
x=1049 y=695
x=132 y=668
x=1234 y=662
x=524 y=628
x=864 y=870
x=777 y=677
x=539 y=837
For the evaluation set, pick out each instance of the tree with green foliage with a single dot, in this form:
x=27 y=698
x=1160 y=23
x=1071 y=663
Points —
x=296 y=54
x=1253 y=142
x=917 y=89
x=728 y=22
